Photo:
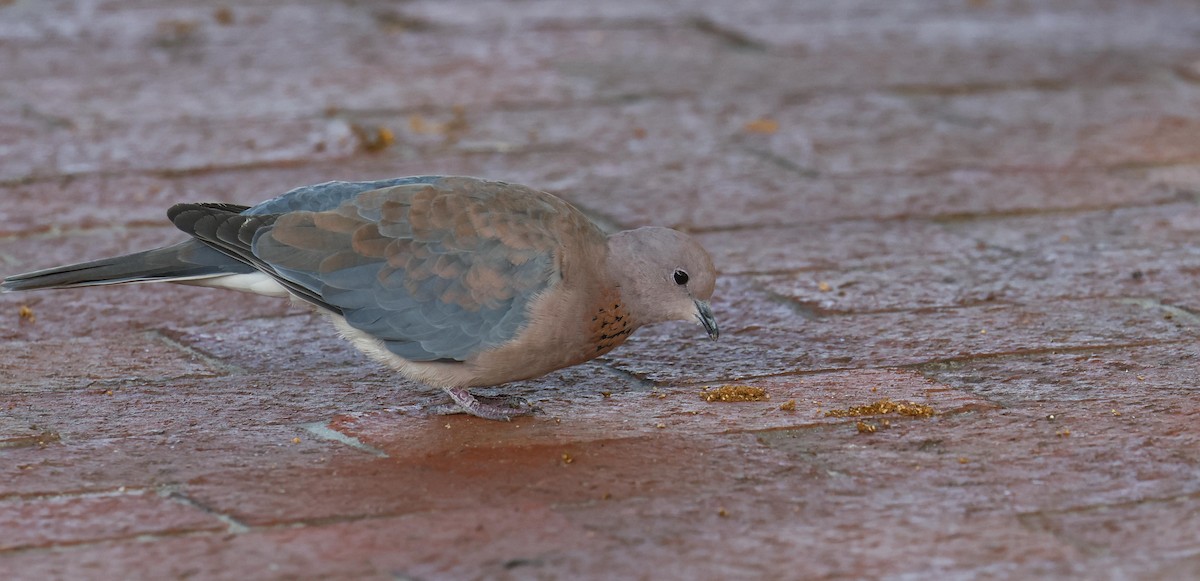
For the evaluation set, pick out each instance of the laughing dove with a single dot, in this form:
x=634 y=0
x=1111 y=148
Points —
x=455 y=282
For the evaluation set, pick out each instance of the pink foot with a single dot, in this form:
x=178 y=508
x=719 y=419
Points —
x=489 y=408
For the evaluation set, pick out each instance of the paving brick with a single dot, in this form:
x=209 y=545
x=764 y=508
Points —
x=939 y=45
x=1168 y=226
x=1163 y=521
x=837 y=246
x=130 y=310
x=743 y=189
x=96 y=361
x=167 y=457
x=1072 y=129
x=505 y=546
x=1041 y=277
x=769 y=337
x=62 y=207
x=57 y=521
x=1151 y=376
x=83 y=408
x=1023 y=259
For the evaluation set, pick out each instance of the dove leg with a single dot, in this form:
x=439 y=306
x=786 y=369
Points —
x=484 y=408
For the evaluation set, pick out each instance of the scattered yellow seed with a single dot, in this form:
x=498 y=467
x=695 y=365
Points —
x=660 y=425
x=865 y=427
x=824 y=287
x=296 y=440
x=983 y=331
x=25 y=313
x=566 y=458
x=721 y=512
x=788 y=406
x=1116 y=413
x=447 y=426
x=1141 y=378
x=734 y=393
x=885 y=406
x=108 y=392
x=1063 y=433
x=373 y=139
x=963 y=460
x=762 y=125
x=606 y=394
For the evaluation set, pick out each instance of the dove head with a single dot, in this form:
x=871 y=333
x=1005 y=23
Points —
x=665 y=275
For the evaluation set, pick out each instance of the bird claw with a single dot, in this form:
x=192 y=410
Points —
x=489 y=408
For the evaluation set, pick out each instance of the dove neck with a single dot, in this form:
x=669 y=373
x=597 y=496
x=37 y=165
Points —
x=633 y=274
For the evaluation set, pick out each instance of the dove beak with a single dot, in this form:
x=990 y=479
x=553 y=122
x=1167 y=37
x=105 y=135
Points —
x=705 y=314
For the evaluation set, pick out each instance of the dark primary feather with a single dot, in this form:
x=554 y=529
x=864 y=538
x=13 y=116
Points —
x=191 y=259
x=231 y=233
x=186 y=260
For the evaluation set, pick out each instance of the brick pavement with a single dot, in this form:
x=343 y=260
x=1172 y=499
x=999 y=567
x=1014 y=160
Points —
x=985 y=206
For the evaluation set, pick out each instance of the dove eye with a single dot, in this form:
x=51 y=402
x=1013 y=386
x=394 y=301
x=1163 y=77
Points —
x=681 y=277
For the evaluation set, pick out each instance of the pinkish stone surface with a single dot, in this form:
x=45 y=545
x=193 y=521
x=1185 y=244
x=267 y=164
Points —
x=986 y=207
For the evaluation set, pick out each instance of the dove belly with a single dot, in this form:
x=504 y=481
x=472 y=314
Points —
x=256 y=282
x=556 y=337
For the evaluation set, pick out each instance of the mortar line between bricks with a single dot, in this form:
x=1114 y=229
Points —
x=1024 y=516
x=1040 y=351
x=151 y=537
x=950 y=217
x=184 y=172
x=1104 y=506
x=806 y=310
x=528 y=106
x=58 y=546
x=728 y=36
x=630 y=376
x=208 y=360
x=1046 y=85
x=351 y=113
x=174 y=493
x=35 y=496
x=919 y=365
x=959 y=217
x=55 y=231
x=1152 y=303
x=781 y=161
x=163 y=173
x=322 y=431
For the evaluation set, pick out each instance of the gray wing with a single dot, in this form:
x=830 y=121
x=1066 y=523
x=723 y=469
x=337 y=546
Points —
x=440 y=268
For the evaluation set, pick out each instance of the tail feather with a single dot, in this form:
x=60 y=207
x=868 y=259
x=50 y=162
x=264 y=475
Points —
x=184 y=261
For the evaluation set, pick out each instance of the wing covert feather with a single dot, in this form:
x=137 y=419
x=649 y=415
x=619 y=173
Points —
x=438 y=269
